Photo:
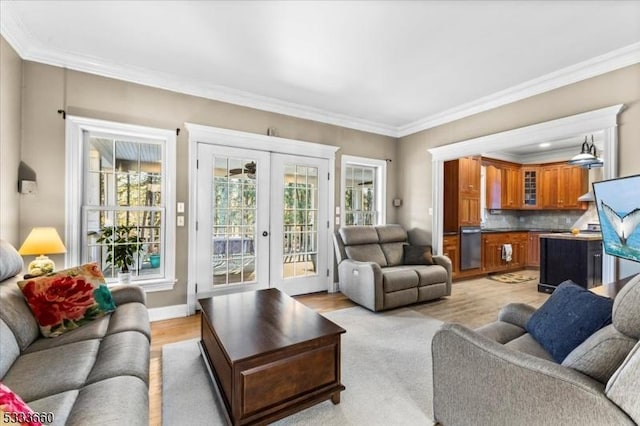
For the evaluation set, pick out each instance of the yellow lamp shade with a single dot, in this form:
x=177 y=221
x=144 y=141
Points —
x=41 y=241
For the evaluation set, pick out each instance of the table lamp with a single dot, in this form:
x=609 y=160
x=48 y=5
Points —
x=42 y=241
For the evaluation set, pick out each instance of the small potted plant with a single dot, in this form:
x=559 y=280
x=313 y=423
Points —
x=122 y=243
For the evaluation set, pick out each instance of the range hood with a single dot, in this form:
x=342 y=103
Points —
x=587 y=197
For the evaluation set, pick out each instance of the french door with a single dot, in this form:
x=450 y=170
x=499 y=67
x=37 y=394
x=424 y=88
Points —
x=261 y=221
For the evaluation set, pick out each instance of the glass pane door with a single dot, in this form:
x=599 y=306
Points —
x=299 y=223
x=234 y=213
x=233 y=219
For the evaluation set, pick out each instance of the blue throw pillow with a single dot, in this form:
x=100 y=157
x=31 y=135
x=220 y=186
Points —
x=568 y=318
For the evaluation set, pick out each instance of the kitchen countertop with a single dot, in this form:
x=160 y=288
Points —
x=595 y=236
x=497 y=230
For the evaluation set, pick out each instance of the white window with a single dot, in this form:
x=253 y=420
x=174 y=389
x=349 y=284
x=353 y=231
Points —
x=363 y=190
x=120 y=200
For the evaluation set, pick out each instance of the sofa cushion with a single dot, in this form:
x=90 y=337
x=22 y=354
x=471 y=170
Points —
x=9 y=349
x=127 y=396
x=355 y=235
x=15 y=312
x=94 y=330
x=122 y=354
x=44 y=373
x=601 y=354
x=429 y=275
x=397 y=278
x=60 y=404
x=14 y=410
x=11 y=263
x=528 y=345
x=67 y=299
x=393 y=253
x=626 y=309
x=391 y=234
x=568 y=318
x=367 y=253
x=417 y=255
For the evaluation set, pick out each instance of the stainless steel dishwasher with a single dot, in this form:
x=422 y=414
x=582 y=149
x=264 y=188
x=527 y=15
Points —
x=470 y=247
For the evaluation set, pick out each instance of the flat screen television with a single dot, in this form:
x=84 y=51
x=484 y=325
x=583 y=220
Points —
x=618 y=205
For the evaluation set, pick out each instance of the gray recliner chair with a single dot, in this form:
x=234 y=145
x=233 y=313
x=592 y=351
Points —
x=499 y=375
x=372 y=273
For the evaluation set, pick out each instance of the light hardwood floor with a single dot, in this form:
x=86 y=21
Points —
x=472 y=303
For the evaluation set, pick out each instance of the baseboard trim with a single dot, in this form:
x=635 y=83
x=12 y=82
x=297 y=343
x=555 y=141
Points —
x=168 y=312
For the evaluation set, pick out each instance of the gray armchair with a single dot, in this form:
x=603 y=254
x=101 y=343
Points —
x=372 y=274
x=499 y=375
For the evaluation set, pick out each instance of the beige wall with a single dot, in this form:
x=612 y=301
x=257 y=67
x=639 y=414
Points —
x=10 y=125
x=617 y=87
x=103 y=98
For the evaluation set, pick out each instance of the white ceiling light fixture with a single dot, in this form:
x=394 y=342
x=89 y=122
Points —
x=588 y=157
x=545 y=145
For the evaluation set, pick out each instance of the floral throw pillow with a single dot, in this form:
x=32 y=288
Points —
x=67 y=299
x=13 y=409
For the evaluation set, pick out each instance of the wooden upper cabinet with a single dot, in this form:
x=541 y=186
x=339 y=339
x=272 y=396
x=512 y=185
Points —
x=549 y=187
x=511 y=184
x=573 y=182
x=561 y=185
x=461 y=193
x=493 y=187
x=469 y=178
x=503 y=181
x=530 y=187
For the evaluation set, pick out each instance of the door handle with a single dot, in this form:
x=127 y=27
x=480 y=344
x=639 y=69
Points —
x=265 y=234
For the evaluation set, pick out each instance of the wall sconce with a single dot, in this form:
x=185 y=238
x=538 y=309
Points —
x=26 y=179
x=397 y=202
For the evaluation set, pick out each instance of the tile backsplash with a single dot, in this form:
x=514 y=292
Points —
x=524 y=219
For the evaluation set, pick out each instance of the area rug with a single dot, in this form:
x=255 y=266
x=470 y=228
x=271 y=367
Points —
x=512 y=277
x=386 y=369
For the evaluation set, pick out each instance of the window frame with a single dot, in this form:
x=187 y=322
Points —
x=380 y=185
x=75 y=130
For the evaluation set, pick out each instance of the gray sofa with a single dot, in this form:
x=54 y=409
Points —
x=97 y=374
x=499 y=375
x=372 y=274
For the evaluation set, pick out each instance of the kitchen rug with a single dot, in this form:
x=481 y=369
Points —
x=512 y=277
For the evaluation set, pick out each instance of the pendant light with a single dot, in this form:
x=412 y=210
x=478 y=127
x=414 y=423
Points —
x=588 y=156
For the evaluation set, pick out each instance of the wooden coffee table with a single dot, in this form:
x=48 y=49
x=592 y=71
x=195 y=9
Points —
x=269 y=355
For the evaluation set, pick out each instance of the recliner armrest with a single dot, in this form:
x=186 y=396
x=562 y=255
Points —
x=477 y=380
x=362 y=283
x=516 y=314
x=128 y=293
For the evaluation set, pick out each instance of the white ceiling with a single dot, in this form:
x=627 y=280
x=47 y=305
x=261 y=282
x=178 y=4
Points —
x=389 y=67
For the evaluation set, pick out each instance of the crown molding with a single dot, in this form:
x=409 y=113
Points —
x=31 y=48
x=602 y=64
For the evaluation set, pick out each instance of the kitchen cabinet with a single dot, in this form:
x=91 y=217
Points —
x=450 y=249
x=533 y=249
x=503 y=183
x=469 y=175
x=492 y=243
x=493 y=187
x=469 y=210
x=573 y=182
x=561 y=185
x=461 y=193
x=511 y=184
x=530 y=187
x=567 y=257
